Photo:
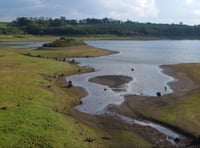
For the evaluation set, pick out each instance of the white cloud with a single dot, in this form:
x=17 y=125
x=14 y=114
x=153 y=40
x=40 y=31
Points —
x=117 y=9
x=189 y=2
x=196 y=11
x=37 y=3
x=124 y=9
x=187 y=11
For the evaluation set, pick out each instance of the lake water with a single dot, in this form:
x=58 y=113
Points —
x=145 y=57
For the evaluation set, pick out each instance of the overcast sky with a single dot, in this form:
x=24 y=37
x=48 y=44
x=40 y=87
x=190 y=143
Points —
x=155 y=11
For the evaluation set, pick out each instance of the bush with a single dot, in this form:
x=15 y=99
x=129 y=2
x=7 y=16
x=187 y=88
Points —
x=64 y=42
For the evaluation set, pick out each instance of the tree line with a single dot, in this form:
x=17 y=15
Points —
x=93 y=26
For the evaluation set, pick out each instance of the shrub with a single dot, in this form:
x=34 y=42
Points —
x=64 y=42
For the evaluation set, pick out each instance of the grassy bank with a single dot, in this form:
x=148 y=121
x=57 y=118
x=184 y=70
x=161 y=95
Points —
x=184 y=112
x=35 y=104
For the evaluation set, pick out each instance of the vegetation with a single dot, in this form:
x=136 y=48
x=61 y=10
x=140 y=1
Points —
x=64 y=42
x=92 y=26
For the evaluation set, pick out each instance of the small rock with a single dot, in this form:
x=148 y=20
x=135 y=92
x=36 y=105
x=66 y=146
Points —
x=81 y=102
x=72 y=61
x=70 y=84
x=176 y=139
x=89 y=139
x=158 y=94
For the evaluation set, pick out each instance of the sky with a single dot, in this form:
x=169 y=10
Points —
x=154 y=11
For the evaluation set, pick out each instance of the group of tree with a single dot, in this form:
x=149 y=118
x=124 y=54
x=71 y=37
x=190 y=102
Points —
x=64 y=42
x=92 y=26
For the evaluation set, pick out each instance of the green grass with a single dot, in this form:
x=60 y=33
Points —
x=36 y=111
x=131 y=140
x=30 y=119
x=184 y=114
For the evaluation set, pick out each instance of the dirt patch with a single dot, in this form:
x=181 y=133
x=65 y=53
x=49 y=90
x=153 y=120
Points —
x=111 y=124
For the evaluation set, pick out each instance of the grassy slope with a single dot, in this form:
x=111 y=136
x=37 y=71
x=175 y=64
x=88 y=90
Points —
x=185 y=112
x=36 y=113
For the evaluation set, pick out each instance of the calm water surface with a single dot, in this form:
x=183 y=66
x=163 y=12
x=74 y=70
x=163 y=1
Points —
x=145 y=57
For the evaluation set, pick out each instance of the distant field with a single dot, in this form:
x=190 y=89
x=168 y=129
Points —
x=3 y=24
